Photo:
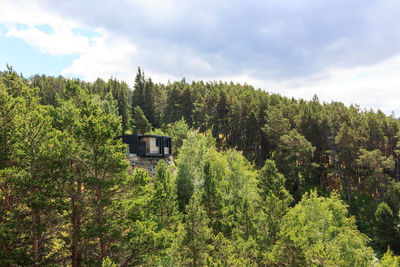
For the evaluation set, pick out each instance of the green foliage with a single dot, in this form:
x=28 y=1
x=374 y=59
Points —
x=165 y=198
x=156 y=131
x=375 y=166
x=321 y=233
x=66 y=197
x=384 y=228
x=294 y=159
x=389 y=259
x=240 y=178
x=13 y=220
x=195 y=245
x=240 y=192
x=109 y=105
x=107 y=262
x=274 y=203
x=212 y=197
x=276 y=126
x=120 y=91
x=190 y=165
x=145 y=96
x=141 y=238
x=140 y=124
x=178 y=131
x=271 y=182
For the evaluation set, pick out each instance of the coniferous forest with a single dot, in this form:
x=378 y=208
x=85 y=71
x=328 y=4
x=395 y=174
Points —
x=259 y=179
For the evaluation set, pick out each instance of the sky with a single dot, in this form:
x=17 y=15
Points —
x=341 y=50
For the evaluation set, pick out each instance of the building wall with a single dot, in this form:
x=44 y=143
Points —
x=151 y=145
x=147 y=163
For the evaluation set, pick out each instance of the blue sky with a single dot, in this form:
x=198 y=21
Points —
x=341 y=50
x=28 y=60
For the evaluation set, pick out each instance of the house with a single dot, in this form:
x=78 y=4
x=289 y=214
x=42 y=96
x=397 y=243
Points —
x=144 y=151
x=148 y=145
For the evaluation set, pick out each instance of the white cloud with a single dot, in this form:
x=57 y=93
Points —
x=30 y=13
x=100 y=55
x=62 y=41
x=375 y=86
x=343 y=51
x=23 y=19
x=107 y=56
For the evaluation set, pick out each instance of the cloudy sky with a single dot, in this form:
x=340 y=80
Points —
x=341 y=50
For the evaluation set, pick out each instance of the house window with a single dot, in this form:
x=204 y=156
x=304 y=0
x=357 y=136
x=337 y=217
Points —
x=166 y=142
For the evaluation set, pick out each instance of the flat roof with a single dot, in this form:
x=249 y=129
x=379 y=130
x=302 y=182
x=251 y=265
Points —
x=152 y=135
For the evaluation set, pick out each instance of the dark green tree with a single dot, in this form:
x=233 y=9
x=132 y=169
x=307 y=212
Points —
x=12 y=252
x=275 y=201
x=139 y=240
x=190 y=165
x=375 y=168
x=178 y=131
x=164 y=200
x=385 y=228
x=195 y=243
x=138 y=90
x=294 y=160
x=140 y=124
x=212 y=198
x=104 y=161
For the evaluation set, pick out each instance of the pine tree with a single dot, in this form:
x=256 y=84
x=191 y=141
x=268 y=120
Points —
x=274 y=203
x=30 y=190
x=104 y=161
x=385 y=228
x=187 y=103
x=164 y=200
x=195 y=244
x=36 y=183
x=119 y=91
x=73 y=173
x=140 y=238
x=140 y=124
x=375 y=168
x=235 y=123
x=123 y=106
x=294 y=159
x=11 y=236
x=138 y=91
x=178 y=131
x=212 y=198
x=148 y=105
x=276 y=126
x=93 y=167
x=251 y=133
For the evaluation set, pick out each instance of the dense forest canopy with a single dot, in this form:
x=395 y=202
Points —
x=260 y=179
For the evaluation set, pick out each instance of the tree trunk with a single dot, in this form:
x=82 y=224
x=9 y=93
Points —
x=348 y=191
x=35 y=236
x=7 y=202
x=4 y=245
x=100 y=222
x=162 y=213
x=76 y=225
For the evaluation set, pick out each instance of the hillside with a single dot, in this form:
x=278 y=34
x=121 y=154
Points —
x=260 y=179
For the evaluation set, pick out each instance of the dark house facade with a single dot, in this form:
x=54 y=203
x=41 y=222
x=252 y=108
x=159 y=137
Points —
x=148 y=145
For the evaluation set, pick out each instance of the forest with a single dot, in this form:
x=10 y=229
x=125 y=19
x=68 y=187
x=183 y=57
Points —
x=259 y=179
